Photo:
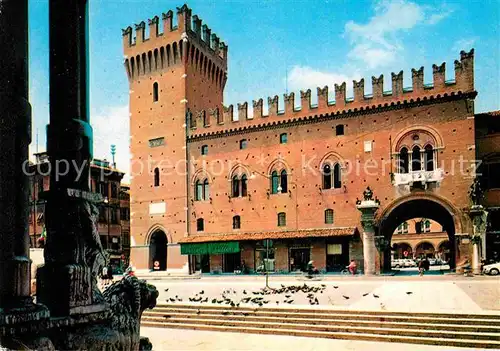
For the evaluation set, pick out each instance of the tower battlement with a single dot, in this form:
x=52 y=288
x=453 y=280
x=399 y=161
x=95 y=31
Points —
x=174 y=39
x=440 y=87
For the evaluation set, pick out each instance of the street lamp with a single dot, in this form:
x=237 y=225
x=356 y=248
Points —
x=106 y=201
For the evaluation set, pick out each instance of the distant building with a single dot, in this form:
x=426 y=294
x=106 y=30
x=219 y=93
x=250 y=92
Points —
x=210 y=183
x=114 y=214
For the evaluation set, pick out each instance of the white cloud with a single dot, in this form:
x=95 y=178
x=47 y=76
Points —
x=376 y=43
x=304 y=77
x=112 y=127
x=464 y=44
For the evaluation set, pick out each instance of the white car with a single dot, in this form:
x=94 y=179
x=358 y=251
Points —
x=492 y=269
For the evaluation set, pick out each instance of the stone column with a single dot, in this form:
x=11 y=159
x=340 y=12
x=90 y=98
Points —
x=368 y=207
x=74 y=255
x=15 y=136
x=479 y=217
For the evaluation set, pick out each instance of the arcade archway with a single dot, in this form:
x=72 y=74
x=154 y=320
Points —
x=158 y=250
x=418 y=207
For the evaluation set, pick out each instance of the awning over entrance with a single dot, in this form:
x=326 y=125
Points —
x=213 y=248
x=274 y=235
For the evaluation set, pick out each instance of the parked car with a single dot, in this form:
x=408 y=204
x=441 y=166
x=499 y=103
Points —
x=409 y=263
x=397 y=263
x=433 y=261
x=492 y=269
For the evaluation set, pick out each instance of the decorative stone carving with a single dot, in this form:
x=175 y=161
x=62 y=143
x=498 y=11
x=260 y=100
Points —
x=368 y=194
x=476 y=192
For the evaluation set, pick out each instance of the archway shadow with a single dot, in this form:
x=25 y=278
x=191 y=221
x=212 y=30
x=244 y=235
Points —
x=158 y=250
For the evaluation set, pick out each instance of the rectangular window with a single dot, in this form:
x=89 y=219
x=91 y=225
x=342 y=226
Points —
x=103 y=189
x=157 y=142
x=329 y=217
x=281 y=219
x=339 y=129
x=114 y=191
x=334 y=249
x=283 y=138
x=204 y=150
x=368 y=146
x=243 y=144
x=113 y=215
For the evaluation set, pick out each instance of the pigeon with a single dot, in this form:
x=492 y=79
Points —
x=335 y=287
x=172 y=299
x=225 y=313
x=244 y=292
x=198 y=312
x=289 y=301
x=365 y=294
x=167 y=316
x=166 y=290
x=214 y=300
x=409 y=293
x=376 y=296
x=345 y=297
x=202 y=292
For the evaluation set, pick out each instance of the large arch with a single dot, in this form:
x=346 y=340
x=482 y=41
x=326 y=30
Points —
x=423 y=205
x=158 y=242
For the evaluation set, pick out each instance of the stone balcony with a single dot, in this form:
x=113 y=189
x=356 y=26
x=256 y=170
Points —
x=418 y=176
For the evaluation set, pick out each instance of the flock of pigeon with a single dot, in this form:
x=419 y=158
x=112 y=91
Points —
x=263 y=296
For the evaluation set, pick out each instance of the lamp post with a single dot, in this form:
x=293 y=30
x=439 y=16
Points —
x=106 y=201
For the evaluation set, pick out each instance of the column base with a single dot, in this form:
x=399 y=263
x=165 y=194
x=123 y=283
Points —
x=68 y=290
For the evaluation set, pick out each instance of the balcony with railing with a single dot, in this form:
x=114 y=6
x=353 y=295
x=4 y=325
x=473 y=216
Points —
x=424 y=177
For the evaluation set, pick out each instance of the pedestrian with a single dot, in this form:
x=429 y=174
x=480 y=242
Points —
x=421 y=267
x=353 y=267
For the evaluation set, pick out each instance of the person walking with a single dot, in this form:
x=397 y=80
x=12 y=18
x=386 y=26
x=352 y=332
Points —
x=353 y=267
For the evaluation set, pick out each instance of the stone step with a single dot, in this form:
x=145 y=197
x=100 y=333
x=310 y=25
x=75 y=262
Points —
x=379 y=330
x=329 y=309
x=472 y=327
x=325 y=314
x=425 y=340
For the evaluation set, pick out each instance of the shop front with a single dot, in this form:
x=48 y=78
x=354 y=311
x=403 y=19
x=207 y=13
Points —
x=277 y=252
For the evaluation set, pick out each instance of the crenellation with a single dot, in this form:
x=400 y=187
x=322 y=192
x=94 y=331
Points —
x=140 y=32
x=340 y=96
x=127 y=37
x=464 y=70
x=197 y=25
x=257 y=108
x=417 y=77
x=397 y=84
x=322 y=96
x=305 y=100
x=273 y=106
x=378 y=87
x=359 y=90
x=223 y=51
x=167 y=21
x=207 y=32
x=154 y=29
x=242 y=111
x=227 y=113
x=289 y=102
x=439 y=75
x=215 y=43
x=184 y=18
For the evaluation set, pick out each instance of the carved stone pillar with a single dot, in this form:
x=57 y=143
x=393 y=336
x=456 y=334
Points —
x=368 y=207
x=479 y=217
x=73 y=252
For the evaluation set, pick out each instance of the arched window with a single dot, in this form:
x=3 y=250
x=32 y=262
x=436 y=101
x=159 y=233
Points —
x=427 y=226
x=284 y=182
x=281 y=219
x=198 y=190
x=337 y=182
x=157 y=177
x=329 y=216
x=327 y=177
x=405 y=227
x=403 y=160
x=204 y=150
x=206 y=190
x=244 y=185
x=155 y=92
x=274 y=182
x=429 y=158
x=200 y=225
x=236 y=186
x=418 y=227
x=415 y=159
x=236 y=222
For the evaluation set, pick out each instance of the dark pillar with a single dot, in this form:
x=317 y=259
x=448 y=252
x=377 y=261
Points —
x=15 y=134
x=73 y=252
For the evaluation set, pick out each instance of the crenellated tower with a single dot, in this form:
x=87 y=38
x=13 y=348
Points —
x=174 y=68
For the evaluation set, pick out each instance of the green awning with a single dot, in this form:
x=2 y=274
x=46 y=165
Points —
x=215 y=248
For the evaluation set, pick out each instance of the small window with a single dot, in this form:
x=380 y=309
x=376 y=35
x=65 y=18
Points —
x=327 y=177
x=339 y=129
x=157 y=177
x=337 y=176
x=405 y=228
x=415 y=159
x=243 y=144
x=236 y=186
x=244 y=185
x=418 y=227
x=200 y=225
x=427 y=226
x=156 y=142
x=329 y=216
x=198 y=190
x=206 y=190
x=281 y=219
x=284 y=181
x=283 y=138
x=403 y=161
x=429 y=158
x=274 y=182
x=236 y=222
x=204 y=150
x=155 y=92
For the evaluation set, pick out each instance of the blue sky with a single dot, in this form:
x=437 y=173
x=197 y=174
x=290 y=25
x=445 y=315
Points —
x=279 y=45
